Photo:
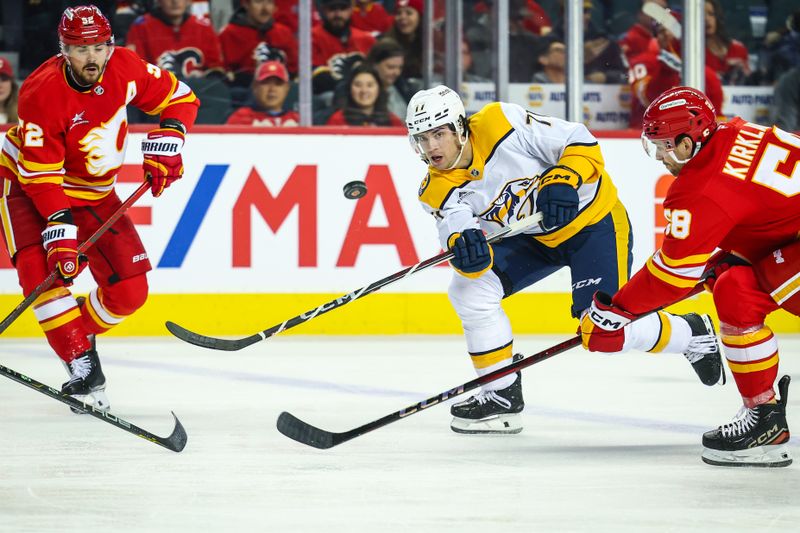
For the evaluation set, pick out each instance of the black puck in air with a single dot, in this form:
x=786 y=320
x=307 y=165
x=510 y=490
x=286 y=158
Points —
x=355 y=190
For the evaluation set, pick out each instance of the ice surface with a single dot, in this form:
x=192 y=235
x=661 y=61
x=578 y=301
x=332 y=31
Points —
x=611 y=443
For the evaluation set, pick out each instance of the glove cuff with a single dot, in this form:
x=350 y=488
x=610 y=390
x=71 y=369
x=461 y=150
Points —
x=174 y=124
x=560 y=174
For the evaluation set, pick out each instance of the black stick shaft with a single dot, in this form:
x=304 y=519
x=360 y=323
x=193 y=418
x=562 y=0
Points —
x=237 y=344
x=175 y=442
x=85 y=245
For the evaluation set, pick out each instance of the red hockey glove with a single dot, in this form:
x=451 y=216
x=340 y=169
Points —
x=603 y=325
x=717 y=264
x=162 y=163
x=472 y=255
x=60 y=239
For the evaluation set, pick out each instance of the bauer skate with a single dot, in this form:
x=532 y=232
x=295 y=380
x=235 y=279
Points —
x=756 y=437
x=87 y=382
x=490 y=411
x=703 y=350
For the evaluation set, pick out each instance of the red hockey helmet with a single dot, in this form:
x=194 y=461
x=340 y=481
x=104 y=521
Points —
x=83 y=25
x=676 y=112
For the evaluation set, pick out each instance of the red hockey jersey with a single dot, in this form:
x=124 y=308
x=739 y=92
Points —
x=373 y=18
x=740 y=193
x=649 y=77
x=69 y=145
x=242 y=45
x=186 y=50
x=325 y=45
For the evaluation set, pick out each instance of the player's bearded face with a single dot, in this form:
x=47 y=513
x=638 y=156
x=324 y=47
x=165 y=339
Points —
x=440 y=146
x=88 y=62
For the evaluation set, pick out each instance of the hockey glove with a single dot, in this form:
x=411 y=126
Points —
x=603 y=325
x=557 y=197
x=717 y=264
x=162 y=162
x=472 y=255
x=60 y=239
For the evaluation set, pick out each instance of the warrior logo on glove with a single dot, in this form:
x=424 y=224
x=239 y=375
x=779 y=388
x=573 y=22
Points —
x=161 y=150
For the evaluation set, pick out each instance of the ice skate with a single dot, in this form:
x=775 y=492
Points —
x=756 y=437
x=490 y=412
x=703 y=350
x=87 y=382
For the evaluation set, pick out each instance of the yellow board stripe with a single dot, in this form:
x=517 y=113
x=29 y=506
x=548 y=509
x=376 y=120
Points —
x=488 y=359
x=379 y=314
x=665 y=335
x=747 y=368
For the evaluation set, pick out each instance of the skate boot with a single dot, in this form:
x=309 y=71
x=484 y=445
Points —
x=756 y=437
x=490 y=412
x=87 y=382
x=703 y=350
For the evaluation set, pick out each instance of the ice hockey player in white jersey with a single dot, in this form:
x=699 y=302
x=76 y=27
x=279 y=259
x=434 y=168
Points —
x=499 y=166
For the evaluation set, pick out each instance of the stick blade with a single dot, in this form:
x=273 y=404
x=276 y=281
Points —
x=212 y=343
x=177 y=439
x=305 y=433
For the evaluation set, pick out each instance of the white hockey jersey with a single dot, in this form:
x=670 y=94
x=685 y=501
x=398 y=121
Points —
x=511 y=148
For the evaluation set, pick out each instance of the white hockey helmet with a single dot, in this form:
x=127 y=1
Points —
x=431 y=108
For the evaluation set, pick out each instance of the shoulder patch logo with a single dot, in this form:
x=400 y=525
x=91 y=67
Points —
x=424 y=185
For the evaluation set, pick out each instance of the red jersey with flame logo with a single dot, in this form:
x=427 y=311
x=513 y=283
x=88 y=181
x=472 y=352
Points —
x=740 y=193
x=372 y=18
x=325 y=45
x=69 y=145
x=186 y=50
x=243 y=46
x=649 y=77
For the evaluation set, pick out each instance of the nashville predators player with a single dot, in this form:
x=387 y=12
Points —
x=499 y=166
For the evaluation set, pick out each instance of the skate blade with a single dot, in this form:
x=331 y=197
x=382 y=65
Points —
x=760 y=456
x=95 y=399
x=498 y=424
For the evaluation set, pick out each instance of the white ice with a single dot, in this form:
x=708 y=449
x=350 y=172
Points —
x=611 y=443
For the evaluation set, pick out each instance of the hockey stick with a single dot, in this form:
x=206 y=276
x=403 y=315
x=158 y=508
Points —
x=231 y=345
x=175 y=442
x=305 y=433
x=85 y=245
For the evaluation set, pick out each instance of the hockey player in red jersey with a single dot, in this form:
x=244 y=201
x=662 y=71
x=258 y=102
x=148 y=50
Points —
x=60 y=164
x=738 y=189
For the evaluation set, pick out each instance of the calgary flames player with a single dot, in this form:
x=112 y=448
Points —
x=61 y=162
x=738 y=189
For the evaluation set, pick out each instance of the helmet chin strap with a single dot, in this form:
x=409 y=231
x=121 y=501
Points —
x=460 y=152
x=671 y=153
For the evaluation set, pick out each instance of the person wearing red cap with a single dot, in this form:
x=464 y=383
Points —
x=9 y=91
x=253 y=36
x=270 y=89
x=61 y=163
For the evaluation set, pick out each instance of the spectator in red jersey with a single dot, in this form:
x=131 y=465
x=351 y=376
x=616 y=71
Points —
x=174 y=40
x=371 y=16
x=726 y=56
x=9 y=91
x=365 y=102
x=652 y=73
x=407 y=30
x=253 y=36
x=286 y=13
x=637 y=39
x=336 y=45
x=270 y=89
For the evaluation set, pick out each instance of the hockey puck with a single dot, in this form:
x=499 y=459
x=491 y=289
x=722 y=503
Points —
x=355 y=190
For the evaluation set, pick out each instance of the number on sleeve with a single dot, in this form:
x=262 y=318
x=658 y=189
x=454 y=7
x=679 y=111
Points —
x=154 y=70
x=33 y=136
x=679 y=222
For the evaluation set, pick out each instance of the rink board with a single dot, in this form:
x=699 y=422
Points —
x=258 y=231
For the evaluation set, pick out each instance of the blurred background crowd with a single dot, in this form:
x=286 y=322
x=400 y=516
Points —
x=241 y=56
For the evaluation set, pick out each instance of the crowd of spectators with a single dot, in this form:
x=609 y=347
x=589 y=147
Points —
x=241 y=56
